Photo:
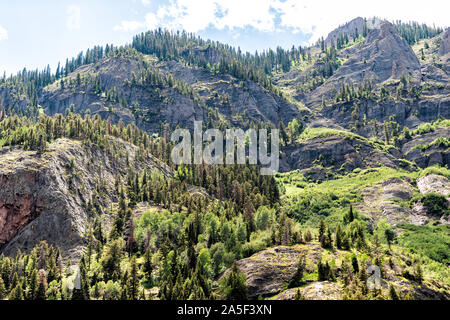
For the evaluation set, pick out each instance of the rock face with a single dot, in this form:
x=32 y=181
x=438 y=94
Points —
x=245 y=100
x=323 y=290
x=383 y=201
x=268 y=270
x=267 y=273
x=390 y=200
x=434 y=183
x=383 y=55
x=445 y=43
x=349 y=28
x=41 y=198
x=21 y=206
x=432 y=154
x=343 y=153
x=406 y=113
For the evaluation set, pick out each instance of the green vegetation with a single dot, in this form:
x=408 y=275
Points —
x=436 y=204
x=430 y=240
x=413 y=32
x=178 y=233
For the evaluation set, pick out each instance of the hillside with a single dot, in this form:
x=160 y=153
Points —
x=364 y=117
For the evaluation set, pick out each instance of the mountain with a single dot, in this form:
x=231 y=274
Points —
x=48 y=197
x=364 y=115
x=383 y=56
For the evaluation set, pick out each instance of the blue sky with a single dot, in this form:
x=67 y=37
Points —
x=36 y=33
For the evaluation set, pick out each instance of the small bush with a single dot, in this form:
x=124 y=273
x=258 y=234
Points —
x=436 y=204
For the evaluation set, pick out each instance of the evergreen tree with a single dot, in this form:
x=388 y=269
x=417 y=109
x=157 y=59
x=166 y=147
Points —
x=235 y=287
x=324 y=271
x=17 y=293
x=390 y=236
x=133 y=281
x=33 y=285
x=297 y=278
x=42 y=287
x=148 y=267
x=393 y=293
x=3 y=291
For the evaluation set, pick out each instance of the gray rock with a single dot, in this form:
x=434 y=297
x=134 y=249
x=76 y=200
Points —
x=41 y=199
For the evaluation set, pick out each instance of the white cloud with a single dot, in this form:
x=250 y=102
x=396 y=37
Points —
x=240 y=14
x=3 y=33
x=321 y=17
x=73 y=21
x=145 y=2
x=128 y=26
x=150 y=23
x=313 y=17
x=194 y=16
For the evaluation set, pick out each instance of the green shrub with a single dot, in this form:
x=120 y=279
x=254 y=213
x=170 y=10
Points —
x=436 y=204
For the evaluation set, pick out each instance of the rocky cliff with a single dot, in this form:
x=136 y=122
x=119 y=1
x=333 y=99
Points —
x=381 y=56
x=268 y=272
x=45 y=196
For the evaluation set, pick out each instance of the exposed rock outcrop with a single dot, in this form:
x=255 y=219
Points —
x=390 y=200
x=267 y=273
x=342 y=153
x=323 y=290
x=445 y=43
x=43 y=198
x=383 y=55
x=153 y=105
x=349 y=28
x=434 y=183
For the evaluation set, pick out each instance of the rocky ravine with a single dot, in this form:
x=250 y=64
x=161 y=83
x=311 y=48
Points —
x=43 y=198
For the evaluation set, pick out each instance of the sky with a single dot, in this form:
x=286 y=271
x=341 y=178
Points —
x=34 y=34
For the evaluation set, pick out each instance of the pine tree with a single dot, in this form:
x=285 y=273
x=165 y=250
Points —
x=350 y=216
x=83 y=279
x=298 y=295
x=321 y=230
x=297 y=278
x=236 y=288
x=390 y=236
x=17 y=293
x=133 y=281
x=324 y=271
x=392 y=293
x=42 y=287
x=338 y=237
x=3 y=291
x=355 y=264
x=32 y=285
x=147 y=267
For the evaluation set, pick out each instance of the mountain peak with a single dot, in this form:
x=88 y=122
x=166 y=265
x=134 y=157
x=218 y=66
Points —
x=354 y=27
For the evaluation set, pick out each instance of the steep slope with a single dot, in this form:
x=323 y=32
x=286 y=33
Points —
x=143 y=90
x=45 y=196
x=338 y=151
x=268 y=272
x=390 y=200
x=444 y=47
x=383 y=55
x=352 y=28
